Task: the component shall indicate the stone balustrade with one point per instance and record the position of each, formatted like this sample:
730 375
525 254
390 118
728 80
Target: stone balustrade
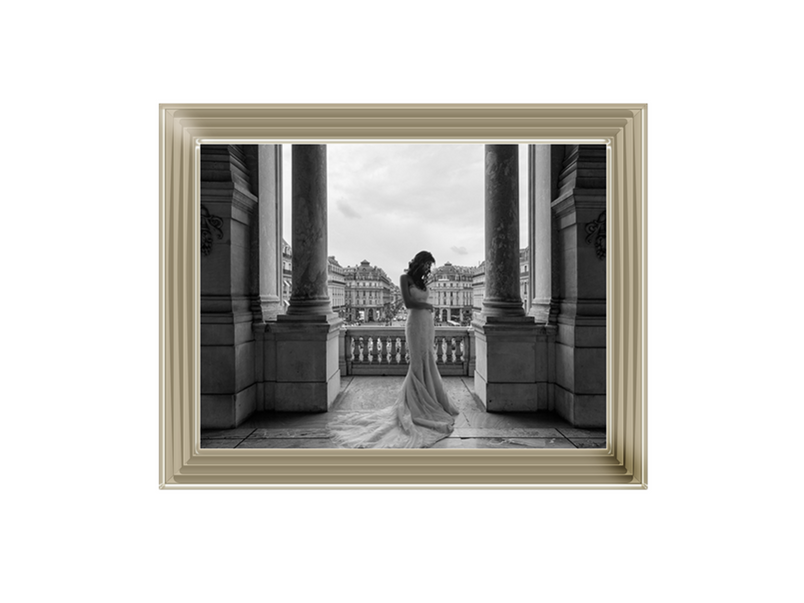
371 350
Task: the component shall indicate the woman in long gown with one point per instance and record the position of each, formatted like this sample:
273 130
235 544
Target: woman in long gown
422 413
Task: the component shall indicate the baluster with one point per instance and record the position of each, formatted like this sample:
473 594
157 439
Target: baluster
394 359
384 350
459 350
406 351
438 342
360 349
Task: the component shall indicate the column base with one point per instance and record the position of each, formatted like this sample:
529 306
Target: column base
268 308
227 379
502 309
307 361
513 362
326 317
227 411
540 311
580 392
581 410
310 307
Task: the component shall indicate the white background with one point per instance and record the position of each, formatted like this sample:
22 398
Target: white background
84 519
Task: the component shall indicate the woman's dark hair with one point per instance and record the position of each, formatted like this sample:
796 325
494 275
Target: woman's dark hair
419 268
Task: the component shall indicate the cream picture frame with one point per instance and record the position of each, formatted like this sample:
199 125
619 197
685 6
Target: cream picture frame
183 128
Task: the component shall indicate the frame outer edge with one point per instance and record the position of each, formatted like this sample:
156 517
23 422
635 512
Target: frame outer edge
178 332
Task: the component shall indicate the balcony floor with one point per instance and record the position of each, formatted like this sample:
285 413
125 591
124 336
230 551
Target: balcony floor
474 427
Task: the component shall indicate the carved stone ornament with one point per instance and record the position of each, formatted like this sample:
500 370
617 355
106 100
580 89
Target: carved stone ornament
209 223
597 230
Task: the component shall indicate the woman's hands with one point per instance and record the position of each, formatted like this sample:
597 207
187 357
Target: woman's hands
404 284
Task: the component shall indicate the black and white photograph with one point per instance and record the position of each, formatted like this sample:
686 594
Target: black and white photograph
398 295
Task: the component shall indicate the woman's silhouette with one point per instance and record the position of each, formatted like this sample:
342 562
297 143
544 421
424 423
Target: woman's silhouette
422 413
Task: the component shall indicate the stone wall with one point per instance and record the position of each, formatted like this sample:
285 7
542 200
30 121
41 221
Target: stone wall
579 213
228 207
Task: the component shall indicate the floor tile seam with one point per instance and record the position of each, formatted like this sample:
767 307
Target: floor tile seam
238 439
457 437
342 395
475 399
579 429
225 437
295 438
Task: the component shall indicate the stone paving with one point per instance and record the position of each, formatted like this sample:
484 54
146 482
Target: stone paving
474 427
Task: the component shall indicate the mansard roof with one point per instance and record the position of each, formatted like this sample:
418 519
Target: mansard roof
449 270
366 271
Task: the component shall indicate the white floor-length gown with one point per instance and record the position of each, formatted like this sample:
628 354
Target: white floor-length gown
422 413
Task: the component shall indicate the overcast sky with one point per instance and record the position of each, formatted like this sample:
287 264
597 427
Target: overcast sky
386 202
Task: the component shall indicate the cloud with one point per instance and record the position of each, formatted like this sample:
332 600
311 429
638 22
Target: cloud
389 201
347 210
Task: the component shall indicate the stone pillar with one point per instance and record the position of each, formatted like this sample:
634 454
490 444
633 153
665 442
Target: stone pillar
580 215
229 388
307 356
310 294
266 273
511 368
502 297
540 227
267 239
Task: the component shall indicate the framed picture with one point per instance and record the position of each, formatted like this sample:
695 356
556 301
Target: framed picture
310 339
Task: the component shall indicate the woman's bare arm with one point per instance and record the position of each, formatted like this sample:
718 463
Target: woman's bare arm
410 303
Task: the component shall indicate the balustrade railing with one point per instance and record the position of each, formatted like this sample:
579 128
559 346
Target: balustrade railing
370 350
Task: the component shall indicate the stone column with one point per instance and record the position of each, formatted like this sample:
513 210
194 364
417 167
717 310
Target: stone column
307 368
266 259
511 350
502 297
540 227
267 240
310 295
